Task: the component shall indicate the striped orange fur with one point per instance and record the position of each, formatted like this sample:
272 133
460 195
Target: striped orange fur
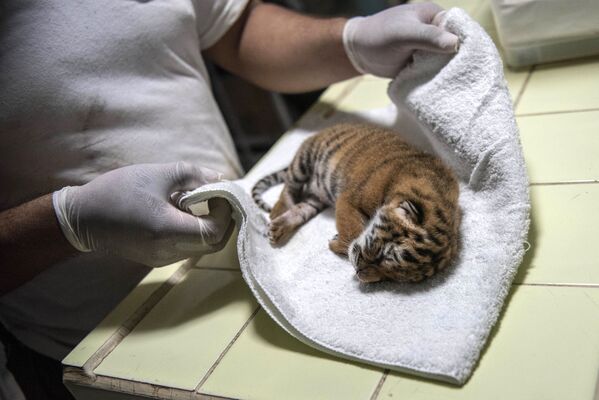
396 207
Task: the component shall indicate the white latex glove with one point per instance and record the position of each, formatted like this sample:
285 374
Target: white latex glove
382 44
127 212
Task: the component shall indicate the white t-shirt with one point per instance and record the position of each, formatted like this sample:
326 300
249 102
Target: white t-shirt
90 86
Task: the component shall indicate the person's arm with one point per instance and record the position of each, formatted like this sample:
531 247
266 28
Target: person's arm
285 51
282 50
30 241
126 212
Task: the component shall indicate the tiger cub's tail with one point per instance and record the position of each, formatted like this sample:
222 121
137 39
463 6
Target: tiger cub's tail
264 184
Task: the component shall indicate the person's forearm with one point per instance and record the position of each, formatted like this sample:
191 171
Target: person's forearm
30 241
284 51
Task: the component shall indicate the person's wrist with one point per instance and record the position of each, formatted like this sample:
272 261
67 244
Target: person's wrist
67 219
336 52
348 39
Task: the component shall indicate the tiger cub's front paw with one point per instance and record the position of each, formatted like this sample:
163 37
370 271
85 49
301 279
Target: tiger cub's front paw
279 230
337 246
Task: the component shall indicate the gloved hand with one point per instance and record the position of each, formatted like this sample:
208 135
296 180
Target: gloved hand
127 212
383 43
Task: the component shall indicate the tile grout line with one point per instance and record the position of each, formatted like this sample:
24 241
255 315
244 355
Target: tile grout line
571 285
226 349
133 320
130 387
581 182
581 110
379 385
521 91
216 269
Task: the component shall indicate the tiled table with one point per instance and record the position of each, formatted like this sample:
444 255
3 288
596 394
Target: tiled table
206 336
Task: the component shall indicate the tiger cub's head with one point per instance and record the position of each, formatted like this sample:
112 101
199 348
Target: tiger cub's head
405 241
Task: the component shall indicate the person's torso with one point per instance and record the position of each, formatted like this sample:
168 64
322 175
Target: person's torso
87 87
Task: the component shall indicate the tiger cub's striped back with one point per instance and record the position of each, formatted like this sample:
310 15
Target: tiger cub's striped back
397 211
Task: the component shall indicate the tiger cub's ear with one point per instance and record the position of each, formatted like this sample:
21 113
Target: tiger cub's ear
411 210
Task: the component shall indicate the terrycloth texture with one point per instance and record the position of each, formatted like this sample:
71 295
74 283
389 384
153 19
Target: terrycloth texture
459 108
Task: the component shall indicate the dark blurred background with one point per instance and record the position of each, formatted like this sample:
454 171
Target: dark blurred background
257 118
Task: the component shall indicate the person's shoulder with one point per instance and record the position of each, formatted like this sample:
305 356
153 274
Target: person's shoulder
215 18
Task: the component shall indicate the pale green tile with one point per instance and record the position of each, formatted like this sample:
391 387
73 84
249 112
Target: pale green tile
337 90
483 14
546 347
515 80
267 363
329 99
469 6
563 235
561 147
369 93
370 77
564 86
92 342
183 335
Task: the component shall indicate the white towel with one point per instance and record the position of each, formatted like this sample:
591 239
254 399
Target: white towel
459 107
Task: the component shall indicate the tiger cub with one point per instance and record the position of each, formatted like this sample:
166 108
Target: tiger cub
396 207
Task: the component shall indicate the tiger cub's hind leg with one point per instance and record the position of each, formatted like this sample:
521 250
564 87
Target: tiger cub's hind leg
298 175
285 202
281 227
